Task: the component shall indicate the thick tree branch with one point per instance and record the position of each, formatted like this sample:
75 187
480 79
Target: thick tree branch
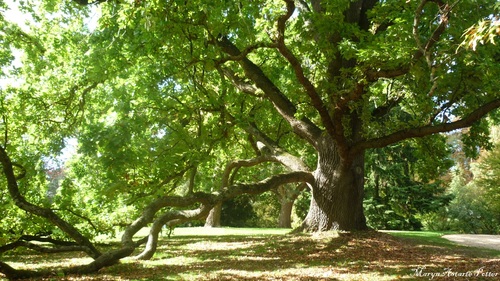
104 260
12 273
211 199
373 75
59 246
239 83
47 240
244 163
244 53
304 127
298 69
279 154
171 219
339 112
265 185
274 154
48 214
467 121
150 211
179 216
36 247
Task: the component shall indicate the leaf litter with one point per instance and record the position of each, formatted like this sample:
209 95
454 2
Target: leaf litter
366 255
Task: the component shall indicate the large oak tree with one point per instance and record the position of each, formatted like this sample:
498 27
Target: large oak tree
338 72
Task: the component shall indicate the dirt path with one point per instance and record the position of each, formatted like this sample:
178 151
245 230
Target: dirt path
476 240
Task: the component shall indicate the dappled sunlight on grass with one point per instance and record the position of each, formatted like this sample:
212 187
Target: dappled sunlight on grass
42 261
217 246
250 258
175 261
230 231
326 256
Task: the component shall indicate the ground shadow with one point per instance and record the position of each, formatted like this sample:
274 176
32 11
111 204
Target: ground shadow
350 256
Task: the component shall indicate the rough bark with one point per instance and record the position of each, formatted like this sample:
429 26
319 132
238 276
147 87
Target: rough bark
337 196
104 260
339 189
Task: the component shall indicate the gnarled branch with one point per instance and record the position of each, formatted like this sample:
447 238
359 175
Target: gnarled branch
303 127
299 71
467 121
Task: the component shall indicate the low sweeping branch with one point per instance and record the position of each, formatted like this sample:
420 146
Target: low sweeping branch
48 214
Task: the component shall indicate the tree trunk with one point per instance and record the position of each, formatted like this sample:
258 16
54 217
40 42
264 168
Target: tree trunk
287 195
213 218
285 219
337 196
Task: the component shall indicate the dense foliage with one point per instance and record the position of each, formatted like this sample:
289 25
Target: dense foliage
403 183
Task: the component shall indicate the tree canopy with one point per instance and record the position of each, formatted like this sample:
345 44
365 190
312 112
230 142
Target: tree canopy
179 105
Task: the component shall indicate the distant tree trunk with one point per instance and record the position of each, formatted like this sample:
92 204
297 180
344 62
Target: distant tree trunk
213 219
285 219
287 196
337 196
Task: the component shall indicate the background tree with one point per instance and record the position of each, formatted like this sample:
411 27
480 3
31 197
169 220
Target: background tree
488 174
404 182
474 188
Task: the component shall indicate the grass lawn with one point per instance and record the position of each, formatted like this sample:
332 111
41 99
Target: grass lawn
424 237
273 254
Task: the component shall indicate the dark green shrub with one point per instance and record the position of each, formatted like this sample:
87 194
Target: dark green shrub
237 212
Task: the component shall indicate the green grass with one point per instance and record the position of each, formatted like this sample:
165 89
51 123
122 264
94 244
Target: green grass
202 231
228 231
424 237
